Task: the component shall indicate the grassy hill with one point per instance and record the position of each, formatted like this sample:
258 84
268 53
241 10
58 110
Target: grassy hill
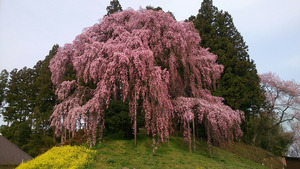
120 153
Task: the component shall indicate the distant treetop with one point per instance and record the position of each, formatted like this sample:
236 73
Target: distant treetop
114 6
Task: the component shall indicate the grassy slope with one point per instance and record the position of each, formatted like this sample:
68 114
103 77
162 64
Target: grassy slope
255 154
120 153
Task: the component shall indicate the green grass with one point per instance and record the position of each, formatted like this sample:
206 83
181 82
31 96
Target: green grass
115 152
120 153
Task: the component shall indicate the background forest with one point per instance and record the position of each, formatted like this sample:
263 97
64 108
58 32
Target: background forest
270 105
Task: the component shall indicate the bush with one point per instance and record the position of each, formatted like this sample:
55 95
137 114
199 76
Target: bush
263 133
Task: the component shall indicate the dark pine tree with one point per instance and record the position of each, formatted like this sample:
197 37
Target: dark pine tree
114 6
20 96
159 9
41 137
29 100
45 99
239 83
3 87
19 106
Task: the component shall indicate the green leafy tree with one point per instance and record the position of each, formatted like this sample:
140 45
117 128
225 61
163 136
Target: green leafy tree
269 136
239 83
114 6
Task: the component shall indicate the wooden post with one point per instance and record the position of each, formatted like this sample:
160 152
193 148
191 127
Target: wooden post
84 126
135 124
69 134
194 135
115 94
189 136
61 137
65 137
101 132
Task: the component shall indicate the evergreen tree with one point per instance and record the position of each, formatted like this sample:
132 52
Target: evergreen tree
239 83
29 103
114 6
3 86
19 106
20 96
41 134
118 119
45 100
159 9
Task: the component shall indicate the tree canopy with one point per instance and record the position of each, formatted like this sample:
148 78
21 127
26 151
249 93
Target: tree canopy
148 57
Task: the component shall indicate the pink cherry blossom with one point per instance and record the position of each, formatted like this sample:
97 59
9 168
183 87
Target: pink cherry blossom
148 56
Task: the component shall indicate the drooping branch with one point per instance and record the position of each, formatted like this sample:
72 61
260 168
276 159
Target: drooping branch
221 122
147 56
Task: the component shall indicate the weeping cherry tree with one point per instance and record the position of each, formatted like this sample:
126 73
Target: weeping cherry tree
147 56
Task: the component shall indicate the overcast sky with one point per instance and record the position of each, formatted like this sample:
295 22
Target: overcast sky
29 29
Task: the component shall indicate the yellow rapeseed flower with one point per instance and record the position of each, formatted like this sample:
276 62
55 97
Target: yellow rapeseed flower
61 157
